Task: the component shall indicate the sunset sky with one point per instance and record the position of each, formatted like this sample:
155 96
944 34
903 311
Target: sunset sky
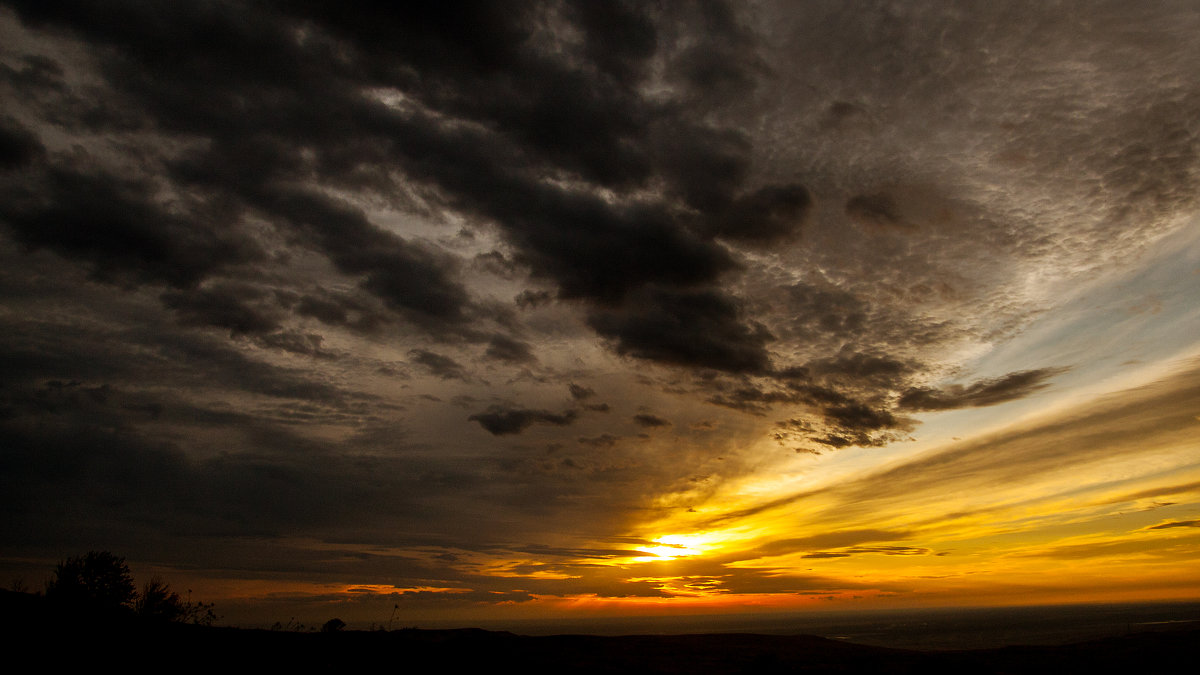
493 311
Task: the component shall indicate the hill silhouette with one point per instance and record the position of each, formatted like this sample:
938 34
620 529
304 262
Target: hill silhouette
83 639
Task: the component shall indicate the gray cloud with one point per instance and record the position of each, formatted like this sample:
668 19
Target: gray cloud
695 328
438 364
510 350
18 145
981 393
499 420
224 227
650 421
580 392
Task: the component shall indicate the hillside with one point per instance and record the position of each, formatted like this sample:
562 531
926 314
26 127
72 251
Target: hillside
74 639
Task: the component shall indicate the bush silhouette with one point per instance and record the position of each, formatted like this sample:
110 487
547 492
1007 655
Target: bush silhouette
158 601
333 626
100 582
95 581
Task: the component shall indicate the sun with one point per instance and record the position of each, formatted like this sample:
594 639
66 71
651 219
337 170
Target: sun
673 546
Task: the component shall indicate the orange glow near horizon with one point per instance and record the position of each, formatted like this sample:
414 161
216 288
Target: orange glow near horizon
1085 521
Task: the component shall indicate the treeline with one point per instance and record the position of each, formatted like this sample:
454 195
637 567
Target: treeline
99 582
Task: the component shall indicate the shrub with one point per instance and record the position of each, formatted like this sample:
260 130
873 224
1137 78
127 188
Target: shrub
97 581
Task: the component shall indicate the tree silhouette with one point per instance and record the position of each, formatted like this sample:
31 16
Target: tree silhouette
158 601
99 582
96 581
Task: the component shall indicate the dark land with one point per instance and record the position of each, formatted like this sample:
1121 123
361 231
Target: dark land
79 638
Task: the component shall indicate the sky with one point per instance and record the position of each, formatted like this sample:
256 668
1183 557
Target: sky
479 311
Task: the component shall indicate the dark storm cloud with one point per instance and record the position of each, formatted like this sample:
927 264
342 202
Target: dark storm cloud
496 263
238 309
754 400
701 328
764 216
509 350
826 311
411 279
861 372
307 344
580 392
439 364
618 37
601 441
859 397
874 209
18 145
303 113
721 60
71 475
35 351
245 159
500 420
117 227
341 310
531 299
204 360
858 416
982 393
650 421
844 419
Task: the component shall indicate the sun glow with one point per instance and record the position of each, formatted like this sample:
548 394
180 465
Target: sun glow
672 546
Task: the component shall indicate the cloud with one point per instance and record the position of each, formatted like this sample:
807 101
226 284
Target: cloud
439 365
1157 492
340 310
1175 523
601 441
18 145
306 344
874 209
475 135
764 216
580 392
982 393
694 328
890 550
224 227
650 421
500 420
238 309
844 539
858 369
117 227
1131 421
509 350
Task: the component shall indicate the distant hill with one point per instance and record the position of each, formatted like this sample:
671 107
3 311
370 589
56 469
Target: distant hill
58 638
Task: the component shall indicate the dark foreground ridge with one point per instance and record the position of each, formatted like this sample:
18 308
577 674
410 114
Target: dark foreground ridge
75 639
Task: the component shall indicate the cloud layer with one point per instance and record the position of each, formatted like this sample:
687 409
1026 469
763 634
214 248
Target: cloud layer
449 282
